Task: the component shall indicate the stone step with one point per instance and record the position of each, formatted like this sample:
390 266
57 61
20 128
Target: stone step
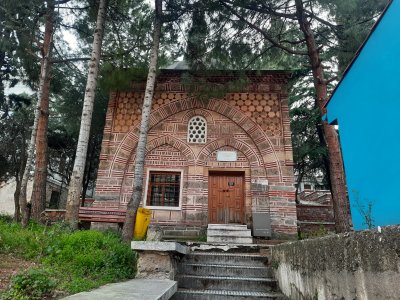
227 226
234 259
230 239
256 284
224 270
229 232
192 294
229 248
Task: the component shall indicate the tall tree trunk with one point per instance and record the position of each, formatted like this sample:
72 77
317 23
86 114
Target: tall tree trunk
299 179
326 161
17 213
75 185
18 178
338 183
38 199
88 171
133 204
43 82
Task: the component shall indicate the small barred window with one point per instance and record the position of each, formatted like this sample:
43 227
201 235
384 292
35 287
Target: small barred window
164 188
197 130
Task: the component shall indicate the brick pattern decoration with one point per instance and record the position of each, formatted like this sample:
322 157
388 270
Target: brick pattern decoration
315 214
253 122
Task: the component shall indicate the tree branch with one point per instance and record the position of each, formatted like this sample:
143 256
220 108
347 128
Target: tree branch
261 31
80 8
328 81
264 9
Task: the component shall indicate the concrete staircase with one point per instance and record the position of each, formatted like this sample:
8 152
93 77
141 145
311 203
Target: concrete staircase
229 234
220 276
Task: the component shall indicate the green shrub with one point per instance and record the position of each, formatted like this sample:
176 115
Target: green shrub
25 242
6 218
93 255
31 284
77 261
322 231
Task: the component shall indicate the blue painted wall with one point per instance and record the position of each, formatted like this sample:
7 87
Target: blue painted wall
366 105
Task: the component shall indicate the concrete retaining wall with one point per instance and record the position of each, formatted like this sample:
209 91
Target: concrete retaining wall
358 265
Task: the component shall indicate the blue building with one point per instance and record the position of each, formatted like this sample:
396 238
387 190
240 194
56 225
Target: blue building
366 107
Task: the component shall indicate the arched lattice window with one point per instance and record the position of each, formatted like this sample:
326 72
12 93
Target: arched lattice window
197 130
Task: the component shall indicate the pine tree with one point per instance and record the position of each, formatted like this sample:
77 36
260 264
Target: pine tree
41 116
38 199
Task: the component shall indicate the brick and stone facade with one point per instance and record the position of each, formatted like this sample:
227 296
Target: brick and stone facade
253 122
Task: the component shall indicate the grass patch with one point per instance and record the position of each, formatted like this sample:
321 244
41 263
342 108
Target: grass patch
69 261
30 284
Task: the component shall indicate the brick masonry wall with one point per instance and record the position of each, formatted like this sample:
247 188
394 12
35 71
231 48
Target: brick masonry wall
312 217
316 213
255 123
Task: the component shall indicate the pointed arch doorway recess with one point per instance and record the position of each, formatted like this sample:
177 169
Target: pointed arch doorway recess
226 197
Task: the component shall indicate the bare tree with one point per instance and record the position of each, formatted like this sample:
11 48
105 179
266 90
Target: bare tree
75 185
134 201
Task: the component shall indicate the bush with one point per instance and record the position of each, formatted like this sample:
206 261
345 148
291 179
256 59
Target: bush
77 261
93 255
24 242
31 284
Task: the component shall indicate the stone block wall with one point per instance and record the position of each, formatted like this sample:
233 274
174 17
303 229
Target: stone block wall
253 122
356 265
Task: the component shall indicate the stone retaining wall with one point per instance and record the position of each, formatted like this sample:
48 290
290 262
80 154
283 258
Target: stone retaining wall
357 265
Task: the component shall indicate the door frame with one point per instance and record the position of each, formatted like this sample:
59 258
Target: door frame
228 172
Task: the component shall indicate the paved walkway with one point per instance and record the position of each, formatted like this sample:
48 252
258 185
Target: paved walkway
143 289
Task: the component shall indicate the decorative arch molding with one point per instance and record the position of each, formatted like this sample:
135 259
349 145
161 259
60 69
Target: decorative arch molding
164 140
254 159
173 142
259 137
198 112
155 143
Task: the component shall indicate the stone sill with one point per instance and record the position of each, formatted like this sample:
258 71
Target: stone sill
159 246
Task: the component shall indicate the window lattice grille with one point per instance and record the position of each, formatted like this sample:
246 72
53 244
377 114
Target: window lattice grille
197 130
164 189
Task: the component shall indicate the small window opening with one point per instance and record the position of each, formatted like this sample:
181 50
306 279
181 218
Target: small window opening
164 189
197 130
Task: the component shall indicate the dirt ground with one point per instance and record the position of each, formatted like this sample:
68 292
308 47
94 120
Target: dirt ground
10 265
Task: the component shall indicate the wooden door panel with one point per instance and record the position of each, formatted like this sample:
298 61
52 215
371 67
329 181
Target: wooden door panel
226 198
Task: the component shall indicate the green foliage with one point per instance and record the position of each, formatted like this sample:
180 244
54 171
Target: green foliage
201 88
26 242
322 231
75 261
30 284
354 20
310 153
275 264
14 129
120 79
89 255
196 46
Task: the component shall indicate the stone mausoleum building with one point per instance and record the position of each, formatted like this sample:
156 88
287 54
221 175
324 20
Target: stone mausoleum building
210 159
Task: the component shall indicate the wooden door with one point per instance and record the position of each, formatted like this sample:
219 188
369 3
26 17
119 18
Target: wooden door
226 198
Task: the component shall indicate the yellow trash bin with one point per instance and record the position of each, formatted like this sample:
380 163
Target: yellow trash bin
143 217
